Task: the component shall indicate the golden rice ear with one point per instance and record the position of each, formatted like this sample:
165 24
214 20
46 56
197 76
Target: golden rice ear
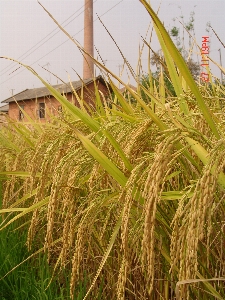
151 194
197 218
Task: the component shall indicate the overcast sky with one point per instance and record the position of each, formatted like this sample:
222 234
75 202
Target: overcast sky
29 35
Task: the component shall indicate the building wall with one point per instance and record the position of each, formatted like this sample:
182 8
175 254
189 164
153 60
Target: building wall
52 106
2 118
31 108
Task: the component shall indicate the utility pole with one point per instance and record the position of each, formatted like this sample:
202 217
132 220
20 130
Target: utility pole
221 73
88 65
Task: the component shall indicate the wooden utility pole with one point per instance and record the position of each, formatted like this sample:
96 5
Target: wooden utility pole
88 65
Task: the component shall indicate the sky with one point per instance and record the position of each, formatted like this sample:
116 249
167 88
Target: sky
29 35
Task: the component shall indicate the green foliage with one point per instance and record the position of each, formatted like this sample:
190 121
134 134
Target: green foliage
169 88
174 32
29 280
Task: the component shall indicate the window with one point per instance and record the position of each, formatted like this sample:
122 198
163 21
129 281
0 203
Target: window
41 110
21 115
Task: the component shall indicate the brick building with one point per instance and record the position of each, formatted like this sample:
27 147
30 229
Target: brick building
3 113
38 103
4 109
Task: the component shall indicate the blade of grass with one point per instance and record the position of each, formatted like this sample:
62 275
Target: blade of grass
25 211
19 173
205 281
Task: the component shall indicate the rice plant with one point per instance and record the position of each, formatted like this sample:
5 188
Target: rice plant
128 198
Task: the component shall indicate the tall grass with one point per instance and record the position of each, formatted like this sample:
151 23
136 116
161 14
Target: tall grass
128 198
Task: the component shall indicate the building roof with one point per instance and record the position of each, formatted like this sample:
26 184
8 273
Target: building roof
124 89
44 92
4 108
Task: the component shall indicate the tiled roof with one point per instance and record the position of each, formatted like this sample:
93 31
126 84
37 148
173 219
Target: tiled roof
124 89
43 91
4 108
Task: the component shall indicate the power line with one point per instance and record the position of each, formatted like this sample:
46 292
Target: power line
61 43
43 39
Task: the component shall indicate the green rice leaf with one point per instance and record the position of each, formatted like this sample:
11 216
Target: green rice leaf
175 195
205 282
18 173
25 211
125 105
102 159
182 66
99 106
